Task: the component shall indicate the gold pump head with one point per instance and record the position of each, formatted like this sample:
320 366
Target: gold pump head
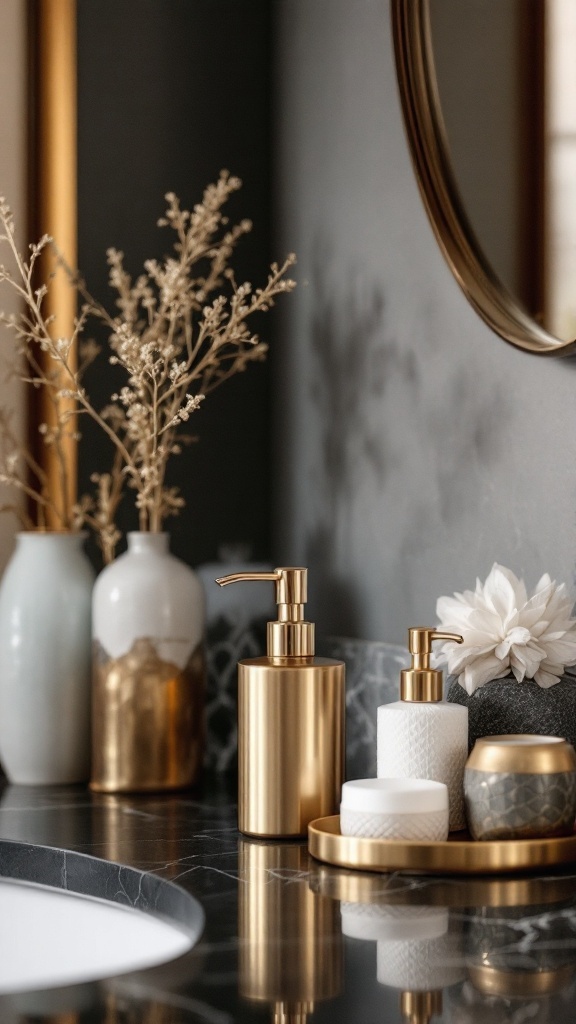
289 636
419 1007
420 683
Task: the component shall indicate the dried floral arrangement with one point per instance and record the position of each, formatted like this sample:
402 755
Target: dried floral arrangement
507 632
18 467
181 330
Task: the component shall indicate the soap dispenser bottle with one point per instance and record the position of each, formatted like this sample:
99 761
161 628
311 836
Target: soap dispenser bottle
422 736
291 716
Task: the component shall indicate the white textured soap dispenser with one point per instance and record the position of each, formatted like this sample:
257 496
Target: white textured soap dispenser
422 736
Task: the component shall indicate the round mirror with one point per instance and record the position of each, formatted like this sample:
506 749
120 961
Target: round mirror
488 90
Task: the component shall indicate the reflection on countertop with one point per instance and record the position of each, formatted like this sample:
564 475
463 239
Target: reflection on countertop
288 939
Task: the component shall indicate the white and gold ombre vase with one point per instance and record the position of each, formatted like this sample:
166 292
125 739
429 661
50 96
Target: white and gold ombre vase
45 599
148 625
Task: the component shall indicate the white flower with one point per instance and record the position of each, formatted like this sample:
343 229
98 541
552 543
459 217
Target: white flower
506 632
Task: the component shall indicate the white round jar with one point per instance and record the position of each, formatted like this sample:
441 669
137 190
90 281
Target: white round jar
391 922
395 809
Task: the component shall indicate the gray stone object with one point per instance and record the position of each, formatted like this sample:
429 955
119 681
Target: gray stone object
505 706
514 805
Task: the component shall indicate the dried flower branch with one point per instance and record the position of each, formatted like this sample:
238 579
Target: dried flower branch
12 456
100 513
32 331
175 340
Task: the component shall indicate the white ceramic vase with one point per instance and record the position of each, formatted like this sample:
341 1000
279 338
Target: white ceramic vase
45 598
148 620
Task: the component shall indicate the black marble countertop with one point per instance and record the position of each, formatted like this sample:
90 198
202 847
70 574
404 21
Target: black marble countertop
286 939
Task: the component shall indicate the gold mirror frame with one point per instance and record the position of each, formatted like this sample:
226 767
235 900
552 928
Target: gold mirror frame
429 151
53 198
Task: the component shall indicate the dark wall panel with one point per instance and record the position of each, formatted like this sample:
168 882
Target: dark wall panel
170 92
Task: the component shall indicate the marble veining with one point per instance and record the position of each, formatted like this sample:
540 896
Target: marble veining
372 678
273 938
89 876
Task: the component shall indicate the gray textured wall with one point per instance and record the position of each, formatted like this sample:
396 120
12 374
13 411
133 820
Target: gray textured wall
415 447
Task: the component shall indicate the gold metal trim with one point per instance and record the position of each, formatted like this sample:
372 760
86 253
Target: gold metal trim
289 636
54 187
350 886
532 757
526 984
420 1007
427 142
420 683
458 855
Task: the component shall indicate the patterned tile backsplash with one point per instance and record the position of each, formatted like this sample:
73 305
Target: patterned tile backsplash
372 678
228 640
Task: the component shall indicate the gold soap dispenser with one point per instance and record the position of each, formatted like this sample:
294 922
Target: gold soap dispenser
290 952
291 713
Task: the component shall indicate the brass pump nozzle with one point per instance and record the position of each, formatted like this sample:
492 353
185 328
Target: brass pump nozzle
420 1007
289 636
421 683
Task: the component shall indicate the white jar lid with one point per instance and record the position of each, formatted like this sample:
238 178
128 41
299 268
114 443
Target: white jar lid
394 796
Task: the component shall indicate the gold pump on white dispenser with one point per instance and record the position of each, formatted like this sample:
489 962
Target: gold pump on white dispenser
420 682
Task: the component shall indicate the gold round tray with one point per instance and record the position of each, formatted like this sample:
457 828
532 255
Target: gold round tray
496 890
459 855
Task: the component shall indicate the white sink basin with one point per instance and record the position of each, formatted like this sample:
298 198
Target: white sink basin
50 937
